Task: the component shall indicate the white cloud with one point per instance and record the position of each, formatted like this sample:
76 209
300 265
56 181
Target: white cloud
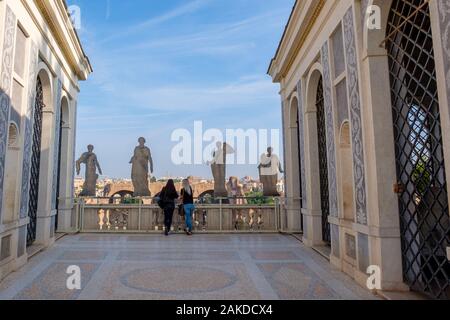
184 9
258 91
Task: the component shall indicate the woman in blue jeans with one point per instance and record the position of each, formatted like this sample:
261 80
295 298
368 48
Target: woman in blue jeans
188 204
168 195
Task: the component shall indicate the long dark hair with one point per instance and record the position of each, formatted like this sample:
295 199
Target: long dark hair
170 187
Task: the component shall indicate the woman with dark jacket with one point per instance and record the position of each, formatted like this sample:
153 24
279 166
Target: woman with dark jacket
187 197
168 195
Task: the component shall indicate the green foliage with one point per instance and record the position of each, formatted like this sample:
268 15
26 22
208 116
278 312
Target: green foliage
421 176
130 201
257 198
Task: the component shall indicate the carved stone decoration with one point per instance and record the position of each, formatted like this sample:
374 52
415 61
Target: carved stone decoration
89 158
444 17
5 90
118 219
355 119
329 118
56 145
218 168
268 168
301 124
28 136
140 169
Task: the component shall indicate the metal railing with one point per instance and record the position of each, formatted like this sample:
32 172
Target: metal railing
143 215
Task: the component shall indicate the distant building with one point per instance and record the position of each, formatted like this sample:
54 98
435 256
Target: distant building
365 89
41 63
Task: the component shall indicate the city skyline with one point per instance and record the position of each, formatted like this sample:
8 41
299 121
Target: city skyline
170 64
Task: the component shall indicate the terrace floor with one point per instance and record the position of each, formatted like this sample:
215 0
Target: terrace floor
226 267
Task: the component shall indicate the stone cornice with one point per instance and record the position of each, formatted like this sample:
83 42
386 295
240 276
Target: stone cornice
56 16
293 39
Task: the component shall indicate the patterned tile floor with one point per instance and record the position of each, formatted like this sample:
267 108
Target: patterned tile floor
228 267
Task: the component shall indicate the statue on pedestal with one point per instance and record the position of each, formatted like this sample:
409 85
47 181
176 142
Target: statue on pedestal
140 169
268 173
90 160
218 168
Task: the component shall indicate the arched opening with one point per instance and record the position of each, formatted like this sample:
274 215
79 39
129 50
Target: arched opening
40 184
62 188
323 162
422 186
346 160
294 127
295 144
35 162
11 174
121 197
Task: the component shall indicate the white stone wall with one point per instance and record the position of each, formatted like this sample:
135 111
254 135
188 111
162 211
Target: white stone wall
372 236
43 57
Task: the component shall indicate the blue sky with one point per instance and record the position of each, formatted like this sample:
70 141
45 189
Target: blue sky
161 65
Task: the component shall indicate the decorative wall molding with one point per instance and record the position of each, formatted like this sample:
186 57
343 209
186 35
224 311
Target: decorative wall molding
56 145
7 58
329 118
58 21
315 9
301 124
28 135
355 118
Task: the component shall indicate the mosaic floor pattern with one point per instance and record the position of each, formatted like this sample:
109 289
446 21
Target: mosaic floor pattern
228 267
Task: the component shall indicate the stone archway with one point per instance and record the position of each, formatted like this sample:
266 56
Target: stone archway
40 190
313 220
294 177
11 173
63 188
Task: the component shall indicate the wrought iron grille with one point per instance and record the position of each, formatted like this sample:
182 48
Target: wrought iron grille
423 198
35 163
323 163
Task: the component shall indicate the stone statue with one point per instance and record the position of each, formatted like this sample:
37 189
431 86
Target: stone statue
268 173
90 160
218 168
140 170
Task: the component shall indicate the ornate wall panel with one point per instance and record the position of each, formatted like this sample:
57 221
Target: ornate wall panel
7 57
28 135
331 148
355 117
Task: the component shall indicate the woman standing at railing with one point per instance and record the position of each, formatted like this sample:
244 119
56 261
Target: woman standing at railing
168 196
188 204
